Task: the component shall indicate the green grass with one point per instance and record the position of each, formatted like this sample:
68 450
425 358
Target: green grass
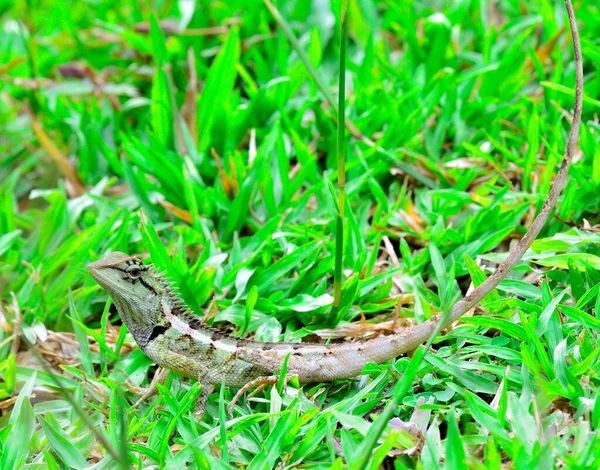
195 136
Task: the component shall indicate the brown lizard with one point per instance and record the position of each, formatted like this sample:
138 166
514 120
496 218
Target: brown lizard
175 339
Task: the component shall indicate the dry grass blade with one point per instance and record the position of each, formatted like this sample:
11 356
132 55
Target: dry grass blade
189 112
75 186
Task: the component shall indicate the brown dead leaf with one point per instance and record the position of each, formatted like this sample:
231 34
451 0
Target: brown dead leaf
211 31
8 403
75 186
463 163
14 62
175 448
481 200
225 181
73 70
234 179
166 26
590 228
365 330
413 220
177 211
545 51
31 83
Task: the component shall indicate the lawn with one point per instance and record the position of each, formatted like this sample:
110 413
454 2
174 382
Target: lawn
203 137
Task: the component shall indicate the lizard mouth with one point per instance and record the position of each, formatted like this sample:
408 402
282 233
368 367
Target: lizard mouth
99 276
103 277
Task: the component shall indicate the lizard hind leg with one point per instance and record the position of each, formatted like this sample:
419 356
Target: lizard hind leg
260 384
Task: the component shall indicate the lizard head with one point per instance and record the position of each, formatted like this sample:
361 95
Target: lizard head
136 290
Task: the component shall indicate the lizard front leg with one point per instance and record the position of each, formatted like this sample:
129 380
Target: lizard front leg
207 389
146 392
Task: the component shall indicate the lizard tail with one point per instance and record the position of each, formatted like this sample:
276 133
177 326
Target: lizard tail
316 363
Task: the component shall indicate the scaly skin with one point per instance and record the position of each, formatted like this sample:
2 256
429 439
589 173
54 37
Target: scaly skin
174 338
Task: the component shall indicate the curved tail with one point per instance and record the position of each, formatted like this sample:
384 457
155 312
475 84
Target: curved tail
317 363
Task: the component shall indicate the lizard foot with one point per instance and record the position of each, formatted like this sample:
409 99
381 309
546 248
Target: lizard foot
259 384
146 392
203 400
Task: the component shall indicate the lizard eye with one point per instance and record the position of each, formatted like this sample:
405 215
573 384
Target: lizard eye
134 272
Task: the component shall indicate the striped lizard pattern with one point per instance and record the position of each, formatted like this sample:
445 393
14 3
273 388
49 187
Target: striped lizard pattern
172 336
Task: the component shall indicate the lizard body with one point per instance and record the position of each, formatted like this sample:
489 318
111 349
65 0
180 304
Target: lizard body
174 338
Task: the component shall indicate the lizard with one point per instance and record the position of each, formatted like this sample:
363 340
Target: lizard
171 335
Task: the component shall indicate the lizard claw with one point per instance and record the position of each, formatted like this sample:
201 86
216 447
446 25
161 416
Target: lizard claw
146 392
260 383
203 400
